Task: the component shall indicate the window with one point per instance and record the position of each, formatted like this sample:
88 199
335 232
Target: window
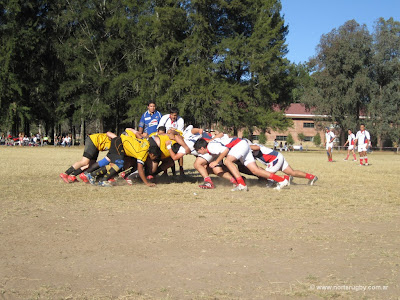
281 137
308 138
308 125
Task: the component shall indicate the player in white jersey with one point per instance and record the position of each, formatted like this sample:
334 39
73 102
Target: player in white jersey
191 135
351 142
232 150
363 139
175 122
275 161
329 138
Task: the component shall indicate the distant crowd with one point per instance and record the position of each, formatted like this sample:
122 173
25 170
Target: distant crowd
34 140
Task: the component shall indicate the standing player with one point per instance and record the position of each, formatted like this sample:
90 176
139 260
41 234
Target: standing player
363 138
329 138
149 121
350 140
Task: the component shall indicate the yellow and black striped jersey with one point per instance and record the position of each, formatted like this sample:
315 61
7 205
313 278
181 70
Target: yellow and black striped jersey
134 147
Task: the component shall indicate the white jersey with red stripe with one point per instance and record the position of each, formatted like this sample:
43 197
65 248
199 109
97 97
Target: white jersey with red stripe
191 138
363 137
237 148
351 137
330 137
265 155
272 159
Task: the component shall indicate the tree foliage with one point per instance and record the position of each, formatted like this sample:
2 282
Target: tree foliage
91 62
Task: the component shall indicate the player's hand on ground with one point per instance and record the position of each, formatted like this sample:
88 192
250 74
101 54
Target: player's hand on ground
151 184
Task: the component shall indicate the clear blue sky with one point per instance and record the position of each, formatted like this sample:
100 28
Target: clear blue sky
308 20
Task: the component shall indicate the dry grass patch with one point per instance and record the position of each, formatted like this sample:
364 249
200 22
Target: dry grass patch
177 241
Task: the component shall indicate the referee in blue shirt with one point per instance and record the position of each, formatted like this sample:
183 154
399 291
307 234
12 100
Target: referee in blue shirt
149 120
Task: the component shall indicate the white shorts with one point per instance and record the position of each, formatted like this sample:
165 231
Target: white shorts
329 145
362 148
351 147
279 164
241 151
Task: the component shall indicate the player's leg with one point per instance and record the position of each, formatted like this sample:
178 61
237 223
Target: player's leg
201 164
257 171
223 172
297 173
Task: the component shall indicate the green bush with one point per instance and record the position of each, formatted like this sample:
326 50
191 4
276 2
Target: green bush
317 140
262 139
301 136
290 139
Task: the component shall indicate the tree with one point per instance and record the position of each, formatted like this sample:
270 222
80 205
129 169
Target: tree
341 79
384 109
301 136
317 139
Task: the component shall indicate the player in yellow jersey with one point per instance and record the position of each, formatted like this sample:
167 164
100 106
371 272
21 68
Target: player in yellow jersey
124 145
94 143
164 141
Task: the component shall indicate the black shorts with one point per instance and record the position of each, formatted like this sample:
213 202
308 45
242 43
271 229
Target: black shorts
91 152
117 151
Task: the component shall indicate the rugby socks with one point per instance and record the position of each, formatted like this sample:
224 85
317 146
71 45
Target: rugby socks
77 172
208 179
70 170
286 177
93 167
355 157
240 180
233 180
361 160
310 176
347 157
276 178
366 159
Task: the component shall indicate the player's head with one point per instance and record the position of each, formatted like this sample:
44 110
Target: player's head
175 148
154 152
201 146
173 114
362 127
151 106
326 129
161 129
349 131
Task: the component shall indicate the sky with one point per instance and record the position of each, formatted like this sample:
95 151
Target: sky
308 20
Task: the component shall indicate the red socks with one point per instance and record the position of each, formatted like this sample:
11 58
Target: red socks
240 180
276 178
310 176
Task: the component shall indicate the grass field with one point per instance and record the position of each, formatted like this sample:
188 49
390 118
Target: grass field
176 241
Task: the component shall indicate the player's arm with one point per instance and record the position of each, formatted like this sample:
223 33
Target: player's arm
217 136
255 148
111 135
174 156
143 175
346 143
220 158
141 124
135 132
197 131
180 141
